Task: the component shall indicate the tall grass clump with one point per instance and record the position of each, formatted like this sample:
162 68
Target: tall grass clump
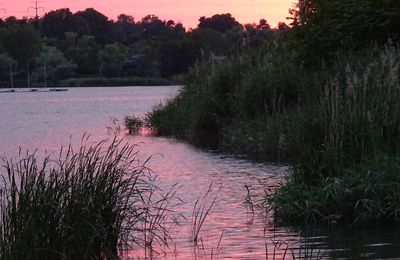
358 110
201 109
133 123
366 193
218 93
349 172
87 204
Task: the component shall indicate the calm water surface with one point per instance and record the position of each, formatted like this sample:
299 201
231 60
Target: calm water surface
46 121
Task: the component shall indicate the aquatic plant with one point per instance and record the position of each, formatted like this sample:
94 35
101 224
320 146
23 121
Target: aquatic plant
201 210
87 204
133 123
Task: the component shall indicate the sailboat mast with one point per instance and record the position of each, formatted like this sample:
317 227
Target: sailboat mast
45 76
11 76
27 70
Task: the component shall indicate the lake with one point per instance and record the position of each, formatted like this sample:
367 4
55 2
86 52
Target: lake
235 228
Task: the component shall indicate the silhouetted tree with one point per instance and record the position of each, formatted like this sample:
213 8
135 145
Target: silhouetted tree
220 22
176 57
211 41
325 26
98 24
56 23
21 41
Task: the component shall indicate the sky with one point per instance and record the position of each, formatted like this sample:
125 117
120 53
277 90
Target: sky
186 11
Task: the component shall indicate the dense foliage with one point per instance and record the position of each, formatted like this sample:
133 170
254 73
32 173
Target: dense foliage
324 94
325 27
87 44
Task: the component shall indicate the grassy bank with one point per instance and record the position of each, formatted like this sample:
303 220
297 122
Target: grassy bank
93 203
337 122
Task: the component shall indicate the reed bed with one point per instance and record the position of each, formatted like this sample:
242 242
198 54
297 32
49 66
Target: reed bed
337 122
89 203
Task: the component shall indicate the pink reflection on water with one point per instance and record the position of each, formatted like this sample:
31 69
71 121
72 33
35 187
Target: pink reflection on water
194 169
48 121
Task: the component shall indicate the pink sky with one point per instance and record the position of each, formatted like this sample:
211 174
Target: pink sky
185 11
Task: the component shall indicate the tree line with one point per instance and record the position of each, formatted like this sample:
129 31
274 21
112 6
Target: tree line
323 29
87 43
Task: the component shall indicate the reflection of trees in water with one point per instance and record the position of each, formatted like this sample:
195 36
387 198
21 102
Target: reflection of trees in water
331 243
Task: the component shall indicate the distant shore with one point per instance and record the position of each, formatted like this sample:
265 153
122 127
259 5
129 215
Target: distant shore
97 82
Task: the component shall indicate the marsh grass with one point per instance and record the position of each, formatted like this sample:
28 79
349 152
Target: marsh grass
240 104
302 248
331 122
201 210
159 220
133 123
89 203
359 113
368 192
348 172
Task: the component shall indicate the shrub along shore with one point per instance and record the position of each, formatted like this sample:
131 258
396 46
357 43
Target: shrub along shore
337 122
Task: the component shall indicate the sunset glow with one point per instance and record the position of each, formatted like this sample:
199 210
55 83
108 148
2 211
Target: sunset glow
185 11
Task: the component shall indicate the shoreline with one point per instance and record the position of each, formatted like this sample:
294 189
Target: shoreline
95 82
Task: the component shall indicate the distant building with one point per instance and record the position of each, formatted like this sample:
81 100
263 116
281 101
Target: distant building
135 60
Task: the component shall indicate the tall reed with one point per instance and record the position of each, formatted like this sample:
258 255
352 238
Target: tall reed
358 113
87 204
349 170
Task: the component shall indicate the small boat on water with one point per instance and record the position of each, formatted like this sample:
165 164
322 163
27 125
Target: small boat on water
58 89
24 90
